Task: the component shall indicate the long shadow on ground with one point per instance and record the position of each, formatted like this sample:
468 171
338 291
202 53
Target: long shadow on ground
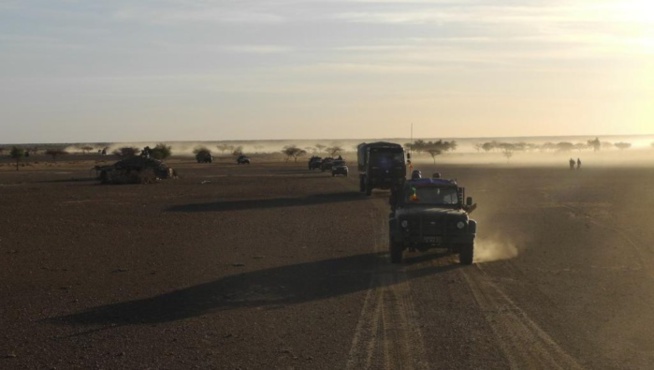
233 205
270 288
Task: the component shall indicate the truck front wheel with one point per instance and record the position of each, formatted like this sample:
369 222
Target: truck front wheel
466 252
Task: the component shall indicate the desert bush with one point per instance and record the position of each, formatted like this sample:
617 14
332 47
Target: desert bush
622 145
54 153
292 151
125 152
161 151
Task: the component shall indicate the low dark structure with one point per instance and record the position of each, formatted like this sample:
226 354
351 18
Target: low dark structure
135 170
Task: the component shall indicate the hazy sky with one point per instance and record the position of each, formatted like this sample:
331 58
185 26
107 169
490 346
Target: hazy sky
88 71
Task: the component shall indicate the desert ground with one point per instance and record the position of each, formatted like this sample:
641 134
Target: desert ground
274 266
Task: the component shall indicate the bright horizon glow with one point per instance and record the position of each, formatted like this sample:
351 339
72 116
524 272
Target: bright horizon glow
140 70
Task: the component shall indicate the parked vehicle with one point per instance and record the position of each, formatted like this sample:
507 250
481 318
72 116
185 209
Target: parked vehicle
315 162
242 159
339 168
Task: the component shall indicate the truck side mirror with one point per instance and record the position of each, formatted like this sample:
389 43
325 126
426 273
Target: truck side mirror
468 201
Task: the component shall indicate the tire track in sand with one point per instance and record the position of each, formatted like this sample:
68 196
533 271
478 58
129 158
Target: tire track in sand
523 342
387 335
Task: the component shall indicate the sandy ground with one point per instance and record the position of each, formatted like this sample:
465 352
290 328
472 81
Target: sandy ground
274 266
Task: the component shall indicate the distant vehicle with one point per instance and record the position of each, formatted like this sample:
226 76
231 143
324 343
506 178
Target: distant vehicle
315 162
204 156
381 165
135 170
326 164
431 213
339 168
242 160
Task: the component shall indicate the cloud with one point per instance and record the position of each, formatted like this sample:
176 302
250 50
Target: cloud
177 14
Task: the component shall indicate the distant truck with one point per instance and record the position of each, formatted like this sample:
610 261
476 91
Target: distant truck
381 165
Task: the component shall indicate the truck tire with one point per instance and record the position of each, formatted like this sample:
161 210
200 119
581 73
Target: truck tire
466 253
396 252
362 184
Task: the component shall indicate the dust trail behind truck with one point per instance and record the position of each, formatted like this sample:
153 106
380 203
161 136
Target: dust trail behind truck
382 165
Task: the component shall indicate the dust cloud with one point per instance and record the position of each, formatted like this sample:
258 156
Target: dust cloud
494 248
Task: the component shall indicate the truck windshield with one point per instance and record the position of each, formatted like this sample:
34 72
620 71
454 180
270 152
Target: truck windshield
432 195
386 159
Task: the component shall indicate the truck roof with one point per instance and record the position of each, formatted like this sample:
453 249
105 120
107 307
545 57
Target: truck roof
381 144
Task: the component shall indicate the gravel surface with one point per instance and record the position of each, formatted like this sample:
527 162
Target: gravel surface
274 266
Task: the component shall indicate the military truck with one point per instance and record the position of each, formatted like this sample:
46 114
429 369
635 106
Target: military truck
135 170
381 166
431 213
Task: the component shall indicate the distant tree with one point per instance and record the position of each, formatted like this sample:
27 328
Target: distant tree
293 151
548 146
161 151
126 152
223 147
595 144
478 147
435 148
581 146
17 154
433 152
237 150
54 153
564 146
2 150
86 149
333 150
508 153
419 146
622 145
320 147
488 146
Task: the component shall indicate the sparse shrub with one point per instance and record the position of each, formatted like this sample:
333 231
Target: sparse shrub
161 151
125 152
622 145
54 153
237 151
293 151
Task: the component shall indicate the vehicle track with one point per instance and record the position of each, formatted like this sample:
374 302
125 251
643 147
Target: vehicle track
387 335
523 342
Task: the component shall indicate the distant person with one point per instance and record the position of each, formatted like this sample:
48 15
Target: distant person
416 174
572 164
578 163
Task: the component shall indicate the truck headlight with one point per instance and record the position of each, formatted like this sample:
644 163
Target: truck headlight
405 224
460 225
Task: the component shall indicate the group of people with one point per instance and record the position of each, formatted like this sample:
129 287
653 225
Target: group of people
573 163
